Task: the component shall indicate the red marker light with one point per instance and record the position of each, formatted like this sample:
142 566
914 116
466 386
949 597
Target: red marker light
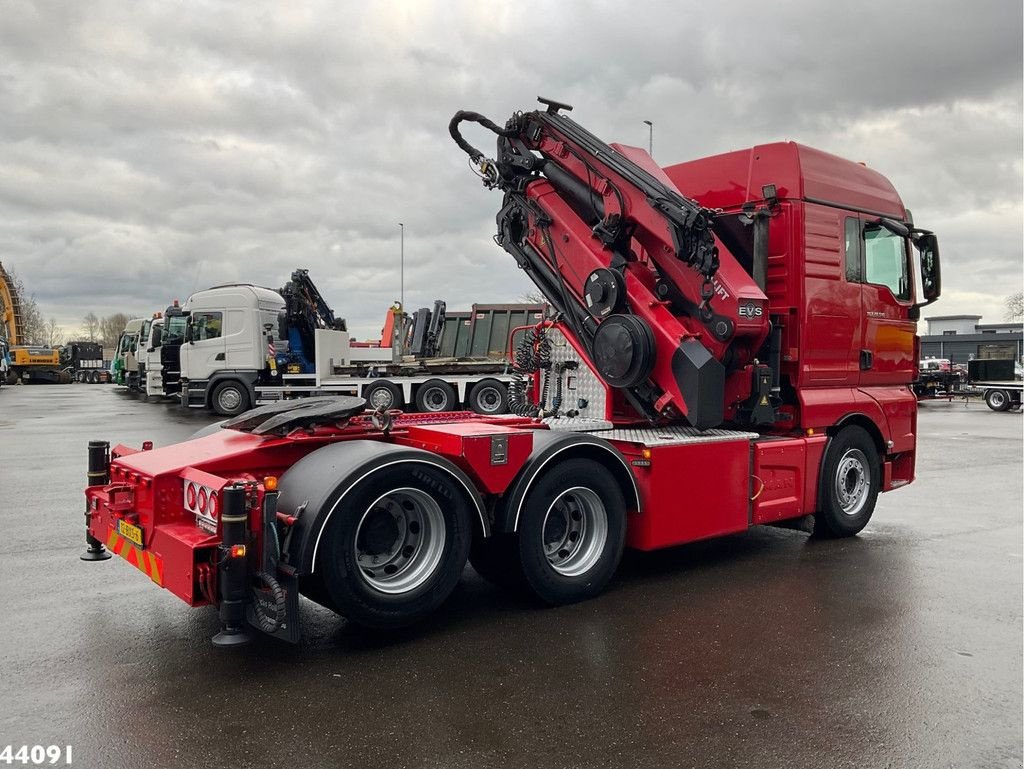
213 504
190 496
202 500
238 551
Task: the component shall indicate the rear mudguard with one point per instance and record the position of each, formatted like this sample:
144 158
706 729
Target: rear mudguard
314 487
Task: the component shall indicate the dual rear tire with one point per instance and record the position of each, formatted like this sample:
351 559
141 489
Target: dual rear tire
569 539
394 547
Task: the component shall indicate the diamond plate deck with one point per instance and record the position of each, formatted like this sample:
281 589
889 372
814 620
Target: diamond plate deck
671 436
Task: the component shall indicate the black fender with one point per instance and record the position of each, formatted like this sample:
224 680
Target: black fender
550 446
246 377
313 488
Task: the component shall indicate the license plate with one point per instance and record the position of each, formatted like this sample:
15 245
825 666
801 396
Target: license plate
130 532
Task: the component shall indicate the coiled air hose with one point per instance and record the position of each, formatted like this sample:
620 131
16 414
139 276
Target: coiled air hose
531 356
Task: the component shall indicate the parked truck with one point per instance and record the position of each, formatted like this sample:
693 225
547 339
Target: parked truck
124 367
84 362
736 341
998 381
246 345
162 361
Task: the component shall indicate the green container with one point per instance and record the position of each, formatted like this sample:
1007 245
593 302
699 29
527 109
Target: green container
492 324
455 337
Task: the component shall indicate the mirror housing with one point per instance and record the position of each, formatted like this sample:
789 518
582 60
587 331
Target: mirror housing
931 272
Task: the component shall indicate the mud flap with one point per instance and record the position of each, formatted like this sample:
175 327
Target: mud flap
289 627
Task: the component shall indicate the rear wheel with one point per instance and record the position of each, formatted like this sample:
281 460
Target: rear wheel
997 400
489 397
383 395
851 477
571 532
230 398
434 396
396 549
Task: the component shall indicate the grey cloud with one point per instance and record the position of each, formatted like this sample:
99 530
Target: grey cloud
154 148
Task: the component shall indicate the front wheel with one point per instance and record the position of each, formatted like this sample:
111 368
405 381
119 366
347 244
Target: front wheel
230 398
997 400
394 551
572 529
851 477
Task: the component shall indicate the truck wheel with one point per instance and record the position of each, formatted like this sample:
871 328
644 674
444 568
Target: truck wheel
435 395
396 549
383 395
997 400
851 477
496 559
489 397
571 532
230 398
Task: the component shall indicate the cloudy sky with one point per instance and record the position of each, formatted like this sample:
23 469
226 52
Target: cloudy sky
149 149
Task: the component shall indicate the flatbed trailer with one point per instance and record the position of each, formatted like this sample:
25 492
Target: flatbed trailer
999 396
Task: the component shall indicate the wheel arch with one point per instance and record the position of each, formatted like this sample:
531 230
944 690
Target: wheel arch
868 424
310 489
245 378
551 447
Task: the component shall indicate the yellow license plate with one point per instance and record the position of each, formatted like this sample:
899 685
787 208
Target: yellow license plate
130 532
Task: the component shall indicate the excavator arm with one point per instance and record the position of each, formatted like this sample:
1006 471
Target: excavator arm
663 310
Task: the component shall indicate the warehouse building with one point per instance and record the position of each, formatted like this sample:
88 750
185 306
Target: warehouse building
964 337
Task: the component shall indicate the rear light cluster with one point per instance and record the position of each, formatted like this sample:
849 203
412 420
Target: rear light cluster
201 500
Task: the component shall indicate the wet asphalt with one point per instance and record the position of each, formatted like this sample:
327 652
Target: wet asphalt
899 648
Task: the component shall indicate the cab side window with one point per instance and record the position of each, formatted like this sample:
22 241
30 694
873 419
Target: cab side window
885 261
853 254
206 325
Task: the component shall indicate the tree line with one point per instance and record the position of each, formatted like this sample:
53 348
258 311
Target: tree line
36 330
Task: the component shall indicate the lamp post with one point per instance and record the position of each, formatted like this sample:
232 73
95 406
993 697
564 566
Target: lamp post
401 273
650 137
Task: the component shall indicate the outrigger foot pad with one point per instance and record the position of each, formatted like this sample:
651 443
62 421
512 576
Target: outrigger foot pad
226 638
98 553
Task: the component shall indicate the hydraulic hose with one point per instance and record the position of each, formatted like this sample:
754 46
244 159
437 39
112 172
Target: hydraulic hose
473 117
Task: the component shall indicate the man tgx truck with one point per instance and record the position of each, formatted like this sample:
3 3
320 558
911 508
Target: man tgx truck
735 338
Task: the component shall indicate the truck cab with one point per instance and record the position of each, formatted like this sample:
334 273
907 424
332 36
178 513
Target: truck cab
225 345
125 364
168 352
150 368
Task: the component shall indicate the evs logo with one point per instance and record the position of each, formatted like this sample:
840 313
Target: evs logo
751 311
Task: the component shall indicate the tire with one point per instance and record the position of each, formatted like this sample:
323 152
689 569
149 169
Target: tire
94 377
851 477
435 396
383 395
230 398
377 521
556 567
997 400
496 559
489 397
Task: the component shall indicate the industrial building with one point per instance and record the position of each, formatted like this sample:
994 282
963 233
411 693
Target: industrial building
961 338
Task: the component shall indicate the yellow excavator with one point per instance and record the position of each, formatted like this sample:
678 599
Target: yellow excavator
31 364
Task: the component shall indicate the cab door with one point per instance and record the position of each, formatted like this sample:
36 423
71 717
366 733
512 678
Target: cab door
886 355
206 345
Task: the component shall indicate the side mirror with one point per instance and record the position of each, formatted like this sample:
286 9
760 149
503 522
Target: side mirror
931 272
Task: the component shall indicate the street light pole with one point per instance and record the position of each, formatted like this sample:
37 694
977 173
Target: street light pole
650 137
401 279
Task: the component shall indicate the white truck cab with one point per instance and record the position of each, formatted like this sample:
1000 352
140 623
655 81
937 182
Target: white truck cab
226 344
125 365
149 359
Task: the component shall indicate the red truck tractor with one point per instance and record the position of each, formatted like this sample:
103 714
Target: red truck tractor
733 345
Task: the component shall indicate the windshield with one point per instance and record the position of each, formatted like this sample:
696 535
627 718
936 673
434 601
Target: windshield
174 329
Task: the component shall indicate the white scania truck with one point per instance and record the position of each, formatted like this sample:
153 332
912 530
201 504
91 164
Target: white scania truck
241 348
